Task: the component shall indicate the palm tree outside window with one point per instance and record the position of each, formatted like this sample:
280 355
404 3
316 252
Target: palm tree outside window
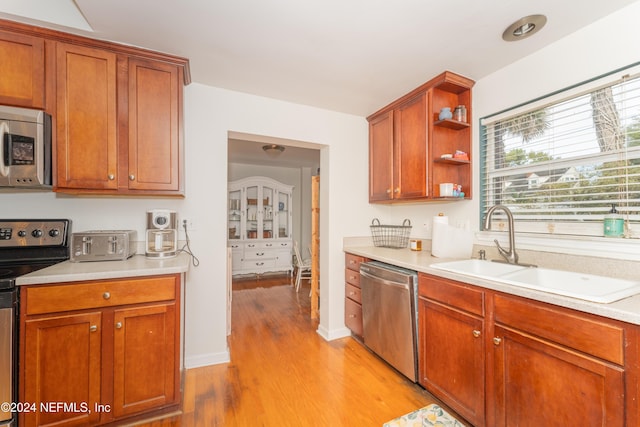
559 163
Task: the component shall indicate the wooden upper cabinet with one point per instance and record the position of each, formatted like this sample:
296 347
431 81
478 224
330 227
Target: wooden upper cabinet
381 157
22 79
407 141
86 118
410 151
119 124
155 148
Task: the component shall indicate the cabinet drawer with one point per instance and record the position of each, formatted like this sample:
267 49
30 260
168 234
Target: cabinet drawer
259 254
572 329
352 262
353 316
78 296
353 293
458 295
352 277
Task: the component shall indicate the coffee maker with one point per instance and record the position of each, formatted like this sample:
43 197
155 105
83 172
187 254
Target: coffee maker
162 234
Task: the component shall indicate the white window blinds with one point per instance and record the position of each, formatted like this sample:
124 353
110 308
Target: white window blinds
561 162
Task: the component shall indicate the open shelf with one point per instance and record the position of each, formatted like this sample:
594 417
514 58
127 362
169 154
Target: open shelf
452 161
451 124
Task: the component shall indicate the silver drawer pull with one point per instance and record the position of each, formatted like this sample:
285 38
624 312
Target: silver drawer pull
497 340
118 325
106 295
93 328
476 333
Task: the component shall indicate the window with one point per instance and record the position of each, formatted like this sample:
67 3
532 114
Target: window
560 162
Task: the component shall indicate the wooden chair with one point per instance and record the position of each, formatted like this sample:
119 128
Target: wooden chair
303 266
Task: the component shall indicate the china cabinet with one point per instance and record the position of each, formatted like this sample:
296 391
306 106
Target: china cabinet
259 225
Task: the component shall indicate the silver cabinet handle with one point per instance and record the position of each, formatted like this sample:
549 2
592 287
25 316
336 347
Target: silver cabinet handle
397 190
388 191
118 325
106 295
111 177
476 333
93 328
497 340
132 177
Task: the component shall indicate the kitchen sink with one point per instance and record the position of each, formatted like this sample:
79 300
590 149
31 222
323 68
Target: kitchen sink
478 268
588 287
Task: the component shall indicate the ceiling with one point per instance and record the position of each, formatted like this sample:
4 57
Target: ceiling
351 56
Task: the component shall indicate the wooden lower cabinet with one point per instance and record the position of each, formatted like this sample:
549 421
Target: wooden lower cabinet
451 345
538 382
144 358
501 360
353 297
62 363
111 352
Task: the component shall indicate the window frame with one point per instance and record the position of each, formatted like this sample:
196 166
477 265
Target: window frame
572 243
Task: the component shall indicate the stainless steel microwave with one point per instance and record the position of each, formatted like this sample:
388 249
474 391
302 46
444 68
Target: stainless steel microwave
25 155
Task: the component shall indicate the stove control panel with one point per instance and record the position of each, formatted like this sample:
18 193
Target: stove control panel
33 233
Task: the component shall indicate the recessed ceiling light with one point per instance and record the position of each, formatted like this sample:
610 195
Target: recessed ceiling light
524 27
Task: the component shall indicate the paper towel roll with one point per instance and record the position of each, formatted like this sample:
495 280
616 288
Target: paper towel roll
448 241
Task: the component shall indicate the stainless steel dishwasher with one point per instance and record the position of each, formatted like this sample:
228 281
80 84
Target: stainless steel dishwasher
389 315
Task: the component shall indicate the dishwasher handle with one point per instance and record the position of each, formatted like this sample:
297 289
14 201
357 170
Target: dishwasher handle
364 273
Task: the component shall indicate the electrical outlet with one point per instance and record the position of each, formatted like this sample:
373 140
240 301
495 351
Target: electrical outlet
190 224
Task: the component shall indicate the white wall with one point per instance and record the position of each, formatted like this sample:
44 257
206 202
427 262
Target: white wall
210 114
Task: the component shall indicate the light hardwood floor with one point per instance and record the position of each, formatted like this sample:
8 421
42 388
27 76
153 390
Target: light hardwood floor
282 373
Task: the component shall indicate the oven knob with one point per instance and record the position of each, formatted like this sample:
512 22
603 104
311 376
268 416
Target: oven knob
22 233
54 232
36 233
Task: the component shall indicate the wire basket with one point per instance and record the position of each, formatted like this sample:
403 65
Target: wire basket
390 236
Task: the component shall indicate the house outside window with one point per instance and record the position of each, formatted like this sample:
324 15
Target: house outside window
560 162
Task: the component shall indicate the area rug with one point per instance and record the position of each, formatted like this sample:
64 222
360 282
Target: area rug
432 415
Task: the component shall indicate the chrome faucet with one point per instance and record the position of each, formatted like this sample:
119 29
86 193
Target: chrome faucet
510 256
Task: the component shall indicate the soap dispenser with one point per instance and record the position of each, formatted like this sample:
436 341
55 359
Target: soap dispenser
613 223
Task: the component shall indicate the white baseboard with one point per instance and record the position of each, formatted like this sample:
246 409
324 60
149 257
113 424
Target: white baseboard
335 334
201 360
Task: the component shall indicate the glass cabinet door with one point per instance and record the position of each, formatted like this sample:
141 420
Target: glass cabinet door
284 215
234 212
267 212
253 212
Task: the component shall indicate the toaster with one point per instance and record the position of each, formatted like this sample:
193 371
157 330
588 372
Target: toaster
103 245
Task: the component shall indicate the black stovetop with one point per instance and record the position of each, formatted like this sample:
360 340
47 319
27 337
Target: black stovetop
31 245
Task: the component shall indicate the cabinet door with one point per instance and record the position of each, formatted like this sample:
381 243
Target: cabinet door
146 358
86 118
22 79
538 383
410 151
452 358
62 360
381 158
283 215
267 215
154 126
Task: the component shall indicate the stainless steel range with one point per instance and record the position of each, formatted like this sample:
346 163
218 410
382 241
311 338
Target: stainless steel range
25 246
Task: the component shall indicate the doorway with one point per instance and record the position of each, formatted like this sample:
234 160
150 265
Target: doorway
294 163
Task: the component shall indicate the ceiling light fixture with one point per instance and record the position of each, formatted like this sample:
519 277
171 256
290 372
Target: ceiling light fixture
524 27
273 150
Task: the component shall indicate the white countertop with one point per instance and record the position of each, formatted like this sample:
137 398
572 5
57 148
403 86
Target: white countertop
136 266
626 310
